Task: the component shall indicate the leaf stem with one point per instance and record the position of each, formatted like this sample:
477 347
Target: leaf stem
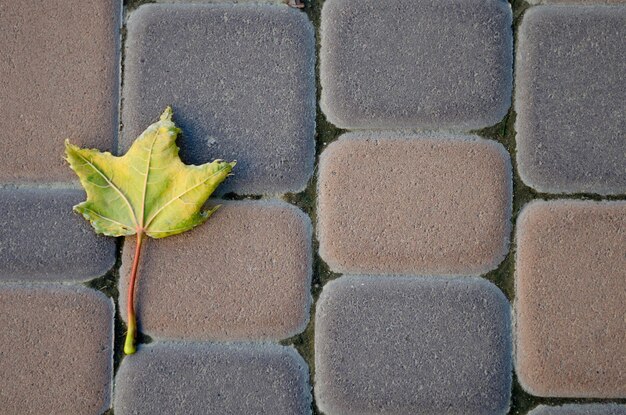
129 344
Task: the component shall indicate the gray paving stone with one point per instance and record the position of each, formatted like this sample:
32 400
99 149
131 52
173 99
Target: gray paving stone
59 78
414 204
591 409
570 299
243 275
412 345
197 378
241 82
42 239
570 94
428 65
56 350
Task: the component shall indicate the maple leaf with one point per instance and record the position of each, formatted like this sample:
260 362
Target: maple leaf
148 191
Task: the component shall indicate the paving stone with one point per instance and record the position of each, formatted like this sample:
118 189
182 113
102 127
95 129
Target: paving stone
243 275
197 378
570 299
430 65
592 409
42 239
436 204
59 78
412 345
577 2
56 350
241 82
570 99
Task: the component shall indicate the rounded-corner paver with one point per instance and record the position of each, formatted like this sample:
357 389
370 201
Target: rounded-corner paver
203 378
42 239
570 300
414 204
412 345
59 78
241 81
570 93
56 350
428 65
243 275
586 409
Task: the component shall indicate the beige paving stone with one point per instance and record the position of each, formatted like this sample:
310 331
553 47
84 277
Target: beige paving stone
436 204
243 275
571 300
573 409
56 352
59 78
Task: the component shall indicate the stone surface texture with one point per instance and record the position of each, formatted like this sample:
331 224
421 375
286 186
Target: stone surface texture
570 299
412 345
56 350
570 95
438 204
430 65
59 78
42 239
243 275
241 82
179 378
573 409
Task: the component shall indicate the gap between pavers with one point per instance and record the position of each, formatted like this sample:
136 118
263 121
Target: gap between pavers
569 99
195 378
241 82
59 78
243 275
414 204
573 409
570 299
427 64
412 345
42 239
56 350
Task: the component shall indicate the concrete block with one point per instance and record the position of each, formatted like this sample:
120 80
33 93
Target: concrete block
204 378
428 64
570 299
59 78
573 409
42 239
570 94
243 275
241 82
407 204
56 350
412 345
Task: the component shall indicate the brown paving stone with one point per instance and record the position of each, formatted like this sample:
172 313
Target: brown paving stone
437 204
203 378
573 409
42 239
59 78
244 275
570 299
55 350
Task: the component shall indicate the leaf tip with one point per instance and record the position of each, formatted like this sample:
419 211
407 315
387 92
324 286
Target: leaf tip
167 114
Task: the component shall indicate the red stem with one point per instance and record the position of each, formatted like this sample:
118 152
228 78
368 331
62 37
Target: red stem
129 345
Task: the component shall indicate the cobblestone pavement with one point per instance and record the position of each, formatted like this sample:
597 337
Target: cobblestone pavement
428 215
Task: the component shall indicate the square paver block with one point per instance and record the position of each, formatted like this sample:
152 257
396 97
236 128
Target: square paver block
428 64
56 350
241 81
204 378
414 204
243 275
42 239
412 345
570 99
591 409
59 78
570 299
